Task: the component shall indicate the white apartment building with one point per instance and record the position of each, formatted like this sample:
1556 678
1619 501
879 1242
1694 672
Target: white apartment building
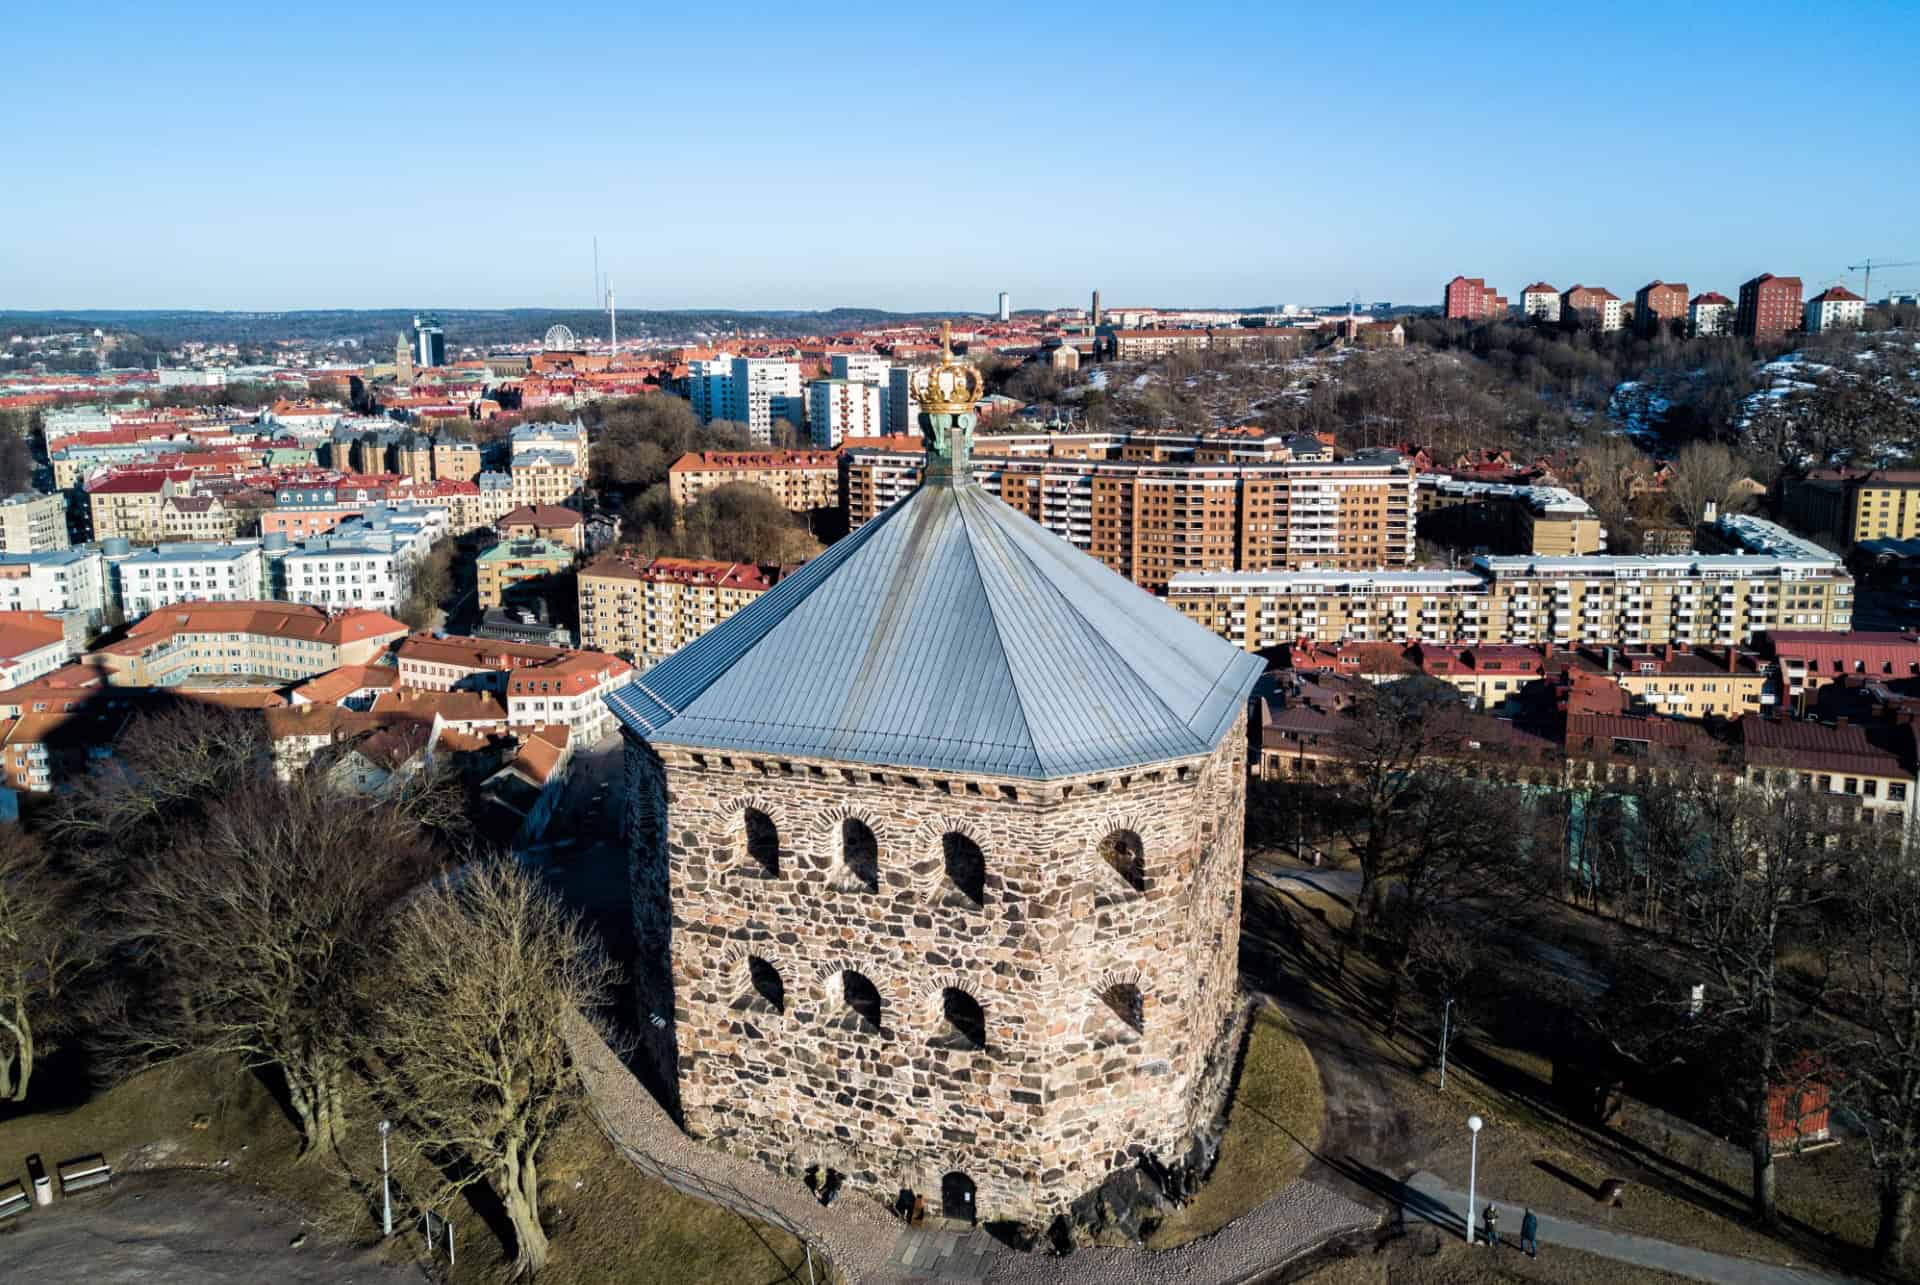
1835 308
868 368
841 408
1710 314
33 523
542 440
1613 313
63 580
762 390
365 561
1541 302
189 572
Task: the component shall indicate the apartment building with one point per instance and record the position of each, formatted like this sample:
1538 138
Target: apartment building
1701 600
189 572
1832 759
1658 306
571 691
800 480
1835 308
60 580
365 561
1769 307
1152 520
544 477
198 517
1710 314
903 408
1471 299
841 408
458 663
454 460
1600 306
515 561
650 609
128 505
282 641
546 522
759 391
1851 505
33 523
1547 520
1808 660
1541 302
33 644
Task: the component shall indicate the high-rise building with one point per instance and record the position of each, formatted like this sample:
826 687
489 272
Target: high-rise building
33 523
1006 307
1769 307
868 368
429 342
1835 308
1472 299
903 411
1657 304
1149 518
1541 302
841 408
1710 314
762 390
1094 319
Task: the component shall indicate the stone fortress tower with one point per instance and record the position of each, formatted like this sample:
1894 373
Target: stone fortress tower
937 858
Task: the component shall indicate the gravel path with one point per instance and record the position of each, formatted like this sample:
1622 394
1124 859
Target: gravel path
862 1239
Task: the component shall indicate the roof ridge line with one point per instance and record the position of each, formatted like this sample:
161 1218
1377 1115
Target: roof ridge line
973 557
1093 630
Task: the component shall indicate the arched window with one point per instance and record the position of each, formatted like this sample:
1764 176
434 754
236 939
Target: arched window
963 1023
1124 999
768 989
966 867
762 842
862 999
1123 851
859 855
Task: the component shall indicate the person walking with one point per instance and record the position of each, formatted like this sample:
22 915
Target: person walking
1492 1219
1529 1229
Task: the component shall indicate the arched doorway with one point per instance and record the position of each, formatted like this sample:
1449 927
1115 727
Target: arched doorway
956 1197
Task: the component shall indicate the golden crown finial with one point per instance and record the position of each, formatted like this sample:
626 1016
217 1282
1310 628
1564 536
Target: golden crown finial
951 388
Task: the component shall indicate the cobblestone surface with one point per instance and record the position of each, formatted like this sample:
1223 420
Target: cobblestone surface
863 1241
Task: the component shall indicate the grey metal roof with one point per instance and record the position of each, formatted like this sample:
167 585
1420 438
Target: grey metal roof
951 633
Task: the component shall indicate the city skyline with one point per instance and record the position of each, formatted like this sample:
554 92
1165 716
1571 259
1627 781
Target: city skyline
1219 158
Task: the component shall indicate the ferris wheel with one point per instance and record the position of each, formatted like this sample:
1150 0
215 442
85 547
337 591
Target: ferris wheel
559 339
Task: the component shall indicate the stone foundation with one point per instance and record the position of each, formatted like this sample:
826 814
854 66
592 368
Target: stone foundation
1106 987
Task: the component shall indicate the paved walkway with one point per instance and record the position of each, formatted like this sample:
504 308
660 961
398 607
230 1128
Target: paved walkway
871 1247
1427 1197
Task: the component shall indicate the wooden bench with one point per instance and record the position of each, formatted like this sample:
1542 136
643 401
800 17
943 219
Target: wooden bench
14 1199
83 1172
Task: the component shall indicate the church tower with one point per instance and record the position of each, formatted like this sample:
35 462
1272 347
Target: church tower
937 857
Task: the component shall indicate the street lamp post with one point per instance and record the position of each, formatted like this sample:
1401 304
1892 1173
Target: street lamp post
1446 1023
1474 1125
386 1181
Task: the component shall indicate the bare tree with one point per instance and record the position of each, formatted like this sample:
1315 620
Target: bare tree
254 933
483 975
1746 871
42 950
1390 735
1705 473
1878 985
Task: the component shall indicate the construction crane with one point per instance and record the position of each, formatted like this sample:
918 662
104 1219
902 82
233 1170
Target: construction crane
1866 285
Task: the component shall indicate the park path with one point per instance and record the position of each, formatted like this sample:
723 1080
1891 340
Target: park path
1427 1197
870 1247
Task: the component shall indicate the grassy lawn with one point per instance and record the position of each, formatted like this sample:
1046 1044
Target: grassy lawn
1273 1121
608 1222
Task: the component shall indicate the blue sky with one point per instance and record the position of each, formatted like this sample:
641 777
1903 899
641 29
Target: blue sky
192 155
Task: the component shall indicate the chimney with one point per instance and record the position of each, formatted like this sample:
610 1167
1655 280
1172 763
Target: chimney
1733 659
1609 660
1666 652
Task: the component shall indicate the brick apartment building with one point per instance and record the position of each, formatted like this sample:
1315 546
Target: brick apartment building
1769 307
1596 303
1150 520
1472 299
1851 505
649 609
1658 305
800 480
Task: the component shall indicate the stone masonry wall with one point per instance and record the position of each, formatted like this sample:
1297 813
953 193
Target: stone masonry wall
1068 1086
